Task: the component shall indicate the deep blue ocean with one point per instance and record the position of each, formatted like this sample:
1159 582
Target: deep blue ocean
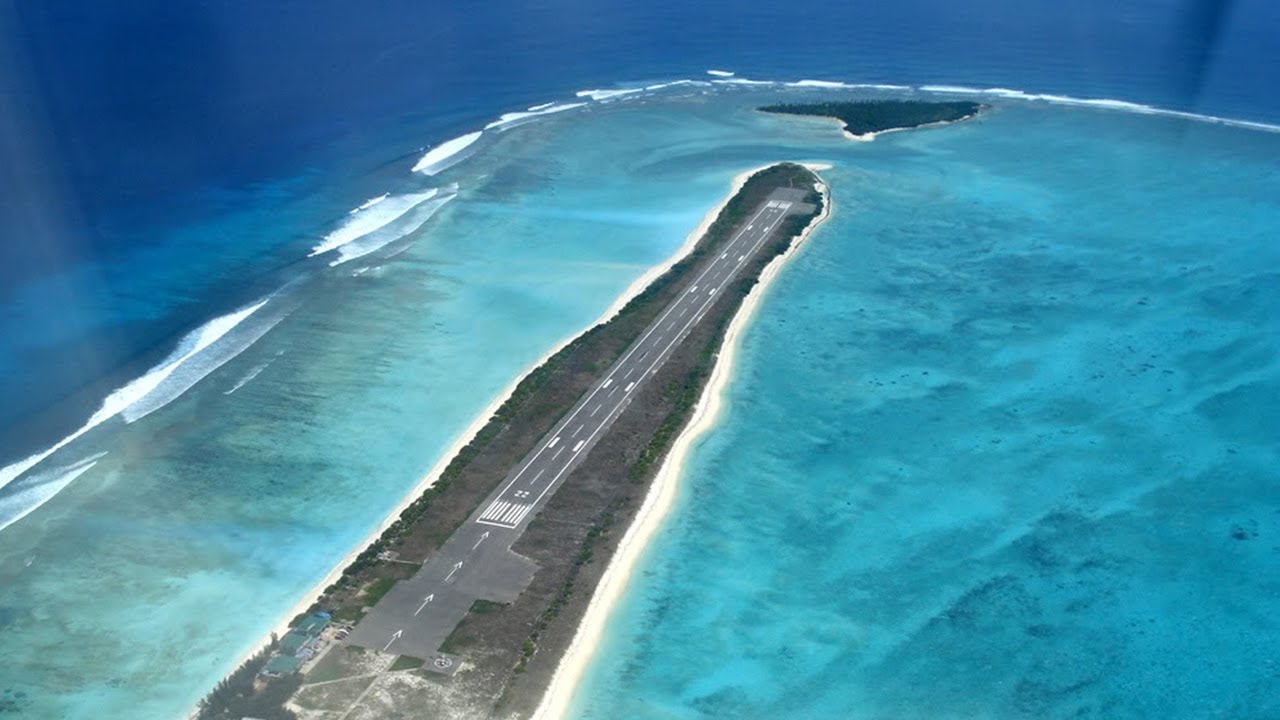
167 169
128 123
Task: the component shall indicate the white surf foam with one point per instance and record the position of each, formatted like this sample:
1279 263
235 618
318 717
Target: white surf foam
607 94
445 155
369 203
951 89
197 366
743 81
392 231
676 83
1101 103
138 391
819 84
40 488
371 220
257 370
513 118
720 73
543 106
148 392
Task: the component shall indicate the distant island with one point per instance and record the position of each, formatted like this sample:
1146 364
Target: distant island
863 119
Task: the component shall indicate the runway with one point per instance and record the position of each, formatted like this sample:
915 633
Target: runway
476 562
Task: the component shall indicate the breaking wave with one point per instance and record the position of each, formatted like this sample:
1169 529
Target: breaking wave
720 73
369 203
38 489
512 119
607 94
604 95
743 81
389 232
371 219
1102 103
446 154
249 376
198 354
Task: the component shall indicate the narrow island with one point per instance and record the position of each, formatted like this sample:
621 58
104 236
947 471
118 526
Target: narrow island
500 657
864 119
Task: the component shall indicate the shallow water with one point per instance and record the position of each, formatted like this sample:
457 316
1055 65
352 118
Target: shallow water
235 471
1025 246
1000 444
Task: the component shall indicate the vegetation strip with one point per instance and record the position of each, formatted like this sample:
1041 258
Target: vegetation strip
868 117
568 523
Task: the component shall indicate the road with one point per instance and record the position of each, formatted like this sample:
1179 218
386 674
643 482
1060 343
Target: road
476 562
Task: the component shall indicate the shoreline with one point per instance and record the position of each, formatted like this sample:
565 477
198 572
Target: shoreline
662 490
868 137
281 626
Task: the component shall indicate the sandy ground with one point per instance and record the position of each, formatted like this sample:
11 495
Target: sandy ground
661 494
868 137
635 288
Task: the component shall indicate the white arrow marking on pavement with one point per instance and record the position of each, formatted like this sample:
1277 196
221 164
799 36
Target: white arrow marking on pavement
482 537
425 600
455 569
394 637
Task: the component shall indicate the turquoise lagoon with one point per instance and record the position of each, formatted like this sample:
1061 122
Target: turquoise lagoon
1002 442
999 440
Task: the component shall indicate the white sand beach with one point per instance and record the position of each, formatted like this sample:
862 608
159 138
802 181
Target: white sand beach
662 491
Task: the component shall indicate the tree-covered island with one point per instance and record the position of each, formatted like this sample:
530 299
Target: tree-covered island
865 117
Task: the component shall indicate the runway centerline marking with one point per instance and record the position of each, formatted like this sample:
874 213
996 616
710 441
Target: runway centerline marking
652 366
585 402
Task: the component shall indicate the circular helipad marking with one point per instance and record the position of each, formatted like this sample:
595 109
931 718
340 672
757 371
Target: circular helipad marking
443 662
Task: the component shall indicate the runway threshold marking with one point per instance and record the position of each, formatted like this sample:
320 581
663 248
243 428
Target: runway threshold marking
510 517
